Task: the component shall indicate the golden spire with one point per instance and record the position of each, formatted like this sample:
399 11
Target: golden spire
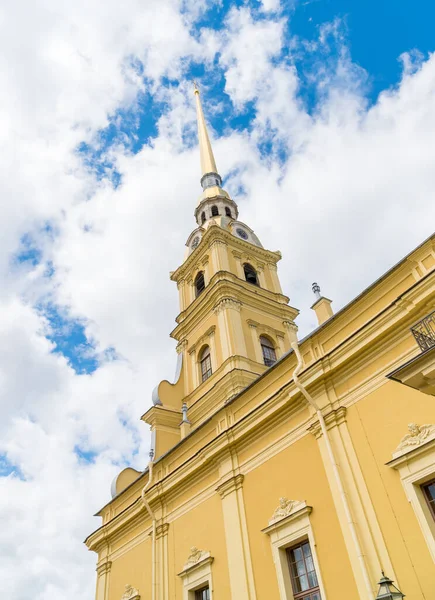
208 164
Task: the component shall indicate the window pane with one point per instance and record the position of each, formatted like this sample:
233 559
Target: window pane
297 554
302 572
312 579
309 563
430 491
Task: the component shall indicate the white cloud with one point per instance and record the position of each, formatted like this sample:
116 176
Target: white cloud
339 208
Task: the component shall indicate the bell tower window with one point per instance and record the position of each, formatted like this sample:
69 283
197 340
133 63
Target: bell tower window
199 284
214 211
203 217
205 363
268 349
228 212
250 274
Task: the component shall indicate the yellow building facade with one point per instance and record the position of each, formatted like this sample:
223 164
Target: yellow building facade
281 469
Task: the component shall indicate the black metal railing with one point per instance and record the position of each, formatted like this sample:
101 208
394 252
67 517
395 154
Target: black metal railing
424 332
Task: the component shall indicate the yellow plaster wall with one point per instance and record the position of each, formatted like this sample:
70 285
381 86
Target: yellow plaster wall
202 527
377 423
297 473
133 567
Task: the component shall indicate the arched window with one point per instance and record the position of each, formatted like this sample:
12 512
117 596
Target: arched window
269 354
203 217
217 181
250 274
214 211
205 363
228 212
199 283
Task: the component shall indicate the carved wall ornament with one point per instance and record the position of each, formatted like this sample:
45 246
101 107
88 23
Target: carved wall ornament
284 509
130 593
195 556
416 436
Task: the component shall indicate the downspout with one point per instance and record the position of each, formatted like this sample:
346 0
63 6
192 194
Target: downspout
335 470
153 519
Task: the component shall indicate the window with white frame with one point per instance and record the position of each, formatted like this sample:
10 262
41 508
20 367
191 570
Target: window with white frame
414 459
294 552
197 576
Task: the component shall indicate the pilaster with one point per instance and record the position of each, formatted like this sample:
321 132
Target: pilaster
273 273
369 533
236 535
256 341
103 578
163 560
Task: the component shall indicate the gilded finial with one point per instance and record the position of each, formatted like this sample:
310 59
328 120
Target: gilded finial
195 87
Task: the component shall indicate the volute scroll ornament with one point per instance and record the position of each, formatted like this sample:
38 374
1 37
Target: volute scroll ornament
418 434
130 593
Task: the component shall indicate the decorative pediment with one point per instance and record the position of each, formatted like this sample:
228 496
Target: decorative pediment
197 559
130 593
195 556
286 508
418 434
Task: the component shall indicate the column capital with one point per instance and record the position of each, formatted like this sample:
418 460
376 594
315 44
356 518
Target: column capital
226 303
104 568
230 485
332 419
162 530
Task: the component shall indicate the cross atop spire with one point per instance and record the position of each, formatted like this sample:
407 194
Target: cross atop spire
210 176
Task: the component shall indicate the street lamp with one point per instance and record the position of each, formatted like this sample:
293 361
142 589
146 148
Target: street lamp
388 591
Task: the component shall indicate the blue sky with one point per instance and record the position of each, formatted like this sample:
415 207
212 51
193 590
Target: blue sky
323 135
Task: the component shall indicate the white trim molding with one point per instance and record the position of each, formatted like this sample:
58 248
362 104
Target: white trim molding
289 525
414 459
196 573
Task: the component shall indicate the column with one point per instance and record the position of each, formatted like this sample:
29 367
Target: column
273 272
212 344
236 535
163 561
194 368
370 537
281 345
256 341
103 576
219 255
182 288
239 267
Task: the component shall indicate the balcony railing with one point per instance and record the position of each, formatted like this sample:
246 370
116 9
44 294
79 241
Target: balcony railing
424 332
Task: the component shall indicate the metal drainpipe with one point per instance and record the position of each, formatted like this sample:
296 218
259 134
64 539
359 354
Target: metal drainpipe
335 469
153 519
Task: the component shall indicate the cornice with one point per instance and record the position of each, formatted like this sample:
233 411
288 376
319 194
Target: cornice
412 455
222 285
332 419
277 525
161 415
217 233
104 568
230 485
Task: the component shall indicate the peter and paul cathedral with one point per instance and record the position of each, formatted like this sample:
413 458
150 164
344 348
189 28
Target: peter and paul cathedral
281 468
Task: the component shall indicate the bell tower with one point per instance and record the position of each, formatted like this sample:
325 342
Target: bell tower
234 320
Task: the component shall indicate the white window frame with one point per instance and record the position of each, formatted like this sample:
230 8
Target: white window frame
285 533
416 467
195 576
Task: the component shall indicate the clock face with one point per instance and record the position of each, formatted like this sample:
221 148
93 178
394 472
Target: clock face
195 242
242 233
